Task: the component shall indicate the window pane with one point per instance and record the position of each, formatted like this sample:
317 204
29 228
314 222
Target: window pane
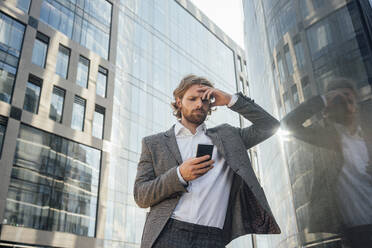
78 113
23 5
62 61
281 70
53 185
296 99
39 53
56 106
11 36
3 123
101 82
300 56
288 60
31 102
82 72
98 122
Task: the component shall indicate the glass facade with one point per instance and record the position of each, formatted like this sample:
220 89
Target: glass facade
32 97
54 184
323 147
86 22
63 60
56 105
11 37
83 72
78 114
57 194
40 50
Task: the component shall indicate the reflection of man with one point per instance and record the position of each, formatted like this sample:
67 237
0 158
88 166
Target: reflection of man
342 186
195 202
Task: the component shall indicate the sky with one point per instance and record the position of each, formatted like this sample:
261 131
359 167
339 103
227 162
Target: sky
227 14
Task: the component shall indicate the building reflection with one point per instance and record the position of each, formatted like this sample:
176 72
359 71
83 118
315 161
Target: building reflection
317 65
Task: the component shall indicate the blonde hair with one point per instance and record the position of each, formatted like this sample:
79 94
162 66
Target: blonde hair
183 86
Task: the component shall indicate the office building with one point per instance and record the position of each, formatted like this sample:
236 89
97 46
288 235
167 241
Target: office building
294 49
81 82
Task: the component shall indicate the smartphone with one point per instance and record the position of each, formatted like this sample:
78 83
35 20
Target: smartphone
204 150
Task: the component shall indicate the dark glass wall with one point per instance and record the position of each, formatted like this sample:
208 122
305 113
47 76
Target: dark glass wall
317 67
54 184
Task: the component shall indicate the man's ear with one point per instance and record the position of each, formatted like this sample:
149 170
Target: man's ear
178 102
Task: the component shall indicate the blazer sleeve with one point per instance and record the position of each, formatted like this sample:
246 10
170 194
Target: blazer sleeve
315 134
150 189
263 125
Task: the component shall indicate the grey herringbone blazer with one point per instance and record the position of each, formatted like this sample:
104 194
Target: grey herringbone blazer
157 185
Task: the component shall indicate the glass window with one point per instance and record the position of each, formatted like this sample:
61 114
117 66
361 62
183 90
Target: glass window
83 72
281 69
11 37
288 60
287 102
32 97
86 22
62 61
23 5
98 122
306 89
101 82
3 122
40 50
319 36
53 184
300 56
296 99
78 114
56 105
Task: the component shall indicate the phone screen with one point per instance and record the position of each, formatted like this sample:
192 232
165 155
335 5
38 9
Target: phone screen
204 150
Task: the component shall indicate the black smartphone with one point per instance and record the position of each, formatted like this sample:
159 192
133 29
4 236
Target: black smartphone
204 150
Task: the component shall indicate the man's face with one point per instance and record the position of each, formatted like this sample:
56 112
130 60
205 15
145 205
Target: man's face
193 108
343 107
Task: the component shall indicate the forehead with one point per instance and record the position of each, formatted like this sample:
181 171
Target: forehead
193 91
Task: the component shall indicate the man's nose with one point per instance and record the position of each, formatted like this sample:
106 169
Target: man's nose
199 103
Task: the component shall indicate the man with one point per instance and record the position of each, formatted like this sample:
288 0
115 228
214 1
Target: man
341 195
196 202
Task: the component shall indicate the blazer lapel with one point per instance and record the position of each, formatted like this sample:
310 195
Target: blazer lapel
216 140
171 143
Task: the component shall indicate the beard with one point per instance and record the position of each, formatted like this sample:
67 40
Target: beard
194 117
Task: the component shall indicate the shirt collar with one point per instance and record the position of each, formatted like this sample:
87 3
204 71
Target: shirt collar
181 130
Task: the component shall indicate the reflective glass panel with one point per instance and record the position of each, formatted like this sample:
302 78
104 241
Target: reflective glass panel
39 52
11 36
53 185
56 105
63 59
98 122
82 72
32 97
85 21
78 114
101 82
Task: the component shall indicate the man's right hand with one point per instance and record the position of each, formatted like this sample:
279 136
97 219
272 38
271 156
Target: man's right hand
195 167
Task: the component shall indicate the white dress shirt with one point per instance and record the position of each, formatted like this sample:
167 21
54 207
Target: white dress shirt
207 198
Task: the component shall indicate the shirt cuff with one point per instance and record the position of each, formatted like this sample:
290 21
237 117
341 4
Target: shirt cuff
233 100
180 177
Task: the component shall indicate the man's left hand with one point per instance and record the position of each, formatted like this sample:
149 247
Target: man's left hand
221 98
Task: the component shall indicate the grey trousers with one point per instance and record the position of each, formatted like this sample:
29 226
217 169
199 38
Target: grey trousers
179 234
